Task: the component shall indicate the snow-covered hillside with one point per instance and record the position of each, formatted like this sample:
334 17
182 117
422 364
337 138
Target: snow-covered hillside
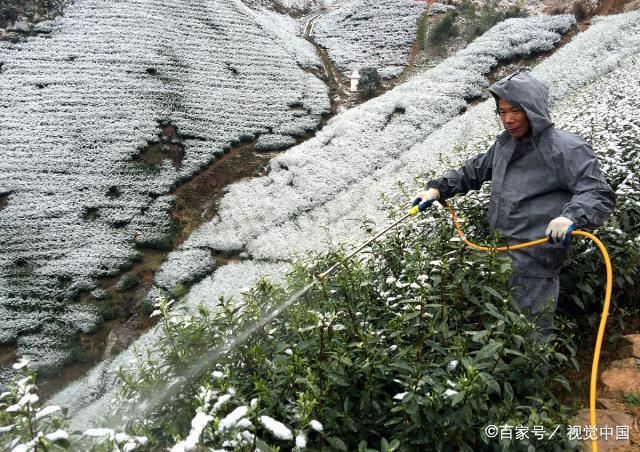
368 33
79 105
297 215
293 8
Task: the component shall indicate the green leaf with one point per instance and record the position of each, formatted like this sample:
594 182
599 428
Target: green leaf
336 442
411 406
489 350
490 382
578 301
494 385
563 381
492 310
395 420
574 363
508 392
457 398
345 360
263 446
339 380
493 292
401 366
477 337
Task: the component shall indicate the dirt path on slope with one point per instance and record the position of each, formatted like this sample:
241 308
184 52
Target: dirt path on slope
331 76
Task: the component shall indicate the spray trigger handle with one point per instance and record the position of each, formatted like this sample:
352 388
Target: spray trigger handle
422 205
567 237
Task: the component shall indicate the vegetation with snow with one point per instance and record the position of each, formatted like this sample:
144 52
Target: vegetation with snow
368 33
85 98
414 342
307 217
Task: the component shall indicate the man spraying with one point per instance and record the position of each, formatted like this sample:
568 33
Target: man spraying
543 181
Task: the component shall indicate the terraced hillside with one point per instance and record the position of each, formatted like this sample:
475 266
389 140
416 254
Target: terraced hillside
366 33
82 101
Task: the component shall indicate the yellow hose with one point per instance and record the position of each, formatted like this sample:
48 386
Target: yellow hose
603 318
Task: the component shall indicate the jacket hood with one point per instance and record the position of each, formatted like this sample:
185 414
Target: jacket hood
530 93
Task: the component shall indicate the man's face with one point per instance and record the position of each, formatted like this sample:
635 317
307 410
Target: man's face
514 119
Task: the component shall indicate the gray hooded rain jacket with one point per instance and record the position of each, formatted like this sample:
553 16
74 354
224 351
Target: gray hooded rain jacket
548 174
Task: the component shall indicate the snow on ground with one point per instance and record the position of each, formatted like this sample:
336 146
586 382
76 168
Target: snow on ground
327 184
290 7
370 33
294 7
80 103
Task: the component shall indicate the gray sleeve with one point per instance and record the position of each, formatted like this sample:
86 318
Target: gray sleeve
593 199
475 171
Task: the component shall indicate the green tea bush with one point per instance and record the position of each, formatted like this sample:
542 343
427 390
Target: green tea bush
26 425
478 22
415 344
126 282
491 15
444 28
370 81
585 269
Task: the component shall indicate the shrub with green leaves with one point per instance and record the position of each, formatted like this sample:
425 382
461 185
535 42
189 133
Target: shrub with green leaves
585 269
24 424
27 425
369 82
491 14
444 28
478 22
397 350
127 282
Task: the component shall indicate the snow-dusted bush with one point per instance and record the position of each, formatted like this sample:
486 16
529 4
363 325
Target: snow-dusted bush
370 33
184 266
605 114
26 425
86 97
274 142
439 8
86 397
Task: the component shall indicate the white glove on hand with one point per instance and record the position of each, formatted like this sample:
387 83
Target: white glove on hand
558 229
428 195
